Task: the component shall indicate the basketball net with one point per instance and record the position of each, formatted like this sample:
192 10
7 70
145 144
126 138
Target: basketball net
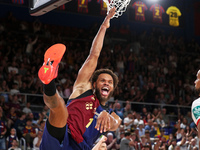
120 6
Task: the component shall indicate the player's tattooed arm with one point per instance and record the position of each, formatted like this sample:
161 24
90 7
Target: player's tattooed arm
58 111
51 101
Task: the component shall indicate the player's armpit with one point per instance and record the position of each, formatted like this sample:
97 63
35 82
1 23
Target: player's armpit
86 71
115 121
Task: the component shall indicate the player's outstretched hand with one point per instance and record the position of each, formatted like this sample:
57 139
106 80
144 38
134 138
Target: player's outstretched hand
103 122
111 13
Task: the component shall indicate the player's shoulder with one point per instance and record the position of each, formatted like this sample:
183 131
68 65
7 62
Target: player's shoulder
196 101
80 89
81 94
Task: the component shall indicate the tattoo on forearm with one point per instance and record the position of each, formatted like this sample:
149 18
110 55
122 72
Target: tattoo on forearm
51 102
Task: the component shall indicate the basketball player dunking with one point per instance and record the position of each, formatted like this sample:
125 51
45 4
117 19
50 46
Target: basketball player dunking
77 125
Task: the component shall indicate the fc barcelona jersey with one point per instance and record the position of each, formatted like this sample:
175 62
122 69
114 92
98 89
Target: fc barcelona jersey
83 6
140 9
174 14
157 12
83 112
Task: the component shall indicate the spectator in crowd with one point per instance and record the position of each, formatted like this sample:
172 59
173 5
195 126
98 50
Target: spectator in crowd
144 113
135 141
126 143
111 142
4 86
11 137
119 133
29 134
188 117
128 121
148 117
141 129
27 109
4 118
158 131
12 117
15 103
41 118
192 144
101 145
24 88
138 120
183 144
13 69
46 111
180 133
3 104
156 115
118 109
40 126
19 124
172 145
14 145
31 117
3 131
184 123
177 148
165 116
127 108
14 89
150 127
37 140
31 43
142 142
148 138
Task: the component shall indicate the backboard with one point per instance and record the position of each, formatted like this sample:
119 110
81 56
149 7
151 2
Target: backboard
40 7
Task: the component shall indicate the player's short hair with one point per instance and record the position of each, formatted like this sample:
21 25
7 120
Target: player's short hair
107 71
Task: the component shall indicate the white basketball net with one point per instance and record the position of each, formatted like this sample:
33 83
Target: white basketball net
120 6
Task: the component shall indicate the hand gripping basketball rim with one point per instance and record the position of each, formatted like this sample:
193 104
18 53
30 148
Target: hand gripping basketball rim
120 6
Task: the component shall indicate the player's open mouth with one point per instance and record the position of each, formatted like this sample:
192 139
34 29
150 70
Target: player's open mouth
105 91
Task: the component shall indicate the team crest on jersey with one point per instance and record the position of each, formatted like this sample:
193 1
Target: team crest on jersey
88 105
93 98
196 112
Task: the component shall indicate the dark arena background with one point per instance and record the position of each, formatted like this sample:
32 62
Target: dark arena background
153 48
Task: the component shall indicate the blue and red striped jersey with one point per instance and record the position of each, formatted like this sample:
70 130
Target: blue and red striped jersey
157 12
83 6
140 8
18 1
2 128
103 7
10 138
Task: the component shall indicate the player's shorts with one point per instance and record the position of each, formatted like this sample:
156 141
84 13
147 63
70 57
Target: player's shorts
51 143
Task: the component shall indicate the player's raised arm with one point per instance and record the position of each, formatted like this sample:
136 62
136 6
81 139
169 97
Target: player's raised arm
90 64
